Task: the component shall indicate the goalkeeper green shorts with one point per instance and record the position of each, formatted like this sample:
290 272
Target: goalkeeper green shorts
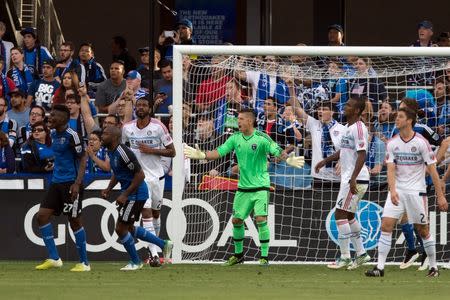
245 202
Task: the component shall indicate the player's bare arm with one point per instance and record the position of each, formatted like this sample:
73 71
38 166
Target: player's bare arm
75 187
441 201
391 183
360 160
137 179
169 151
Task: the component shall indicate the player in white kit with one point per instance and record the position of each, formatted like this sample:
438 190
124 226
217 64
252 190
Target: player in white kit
354 182
149 139
408 156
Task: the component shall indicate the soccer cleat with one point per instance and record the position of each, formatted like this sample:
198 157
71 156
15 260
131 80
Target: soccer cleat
375 272
154 262
132 266
50 263
424 262
234 260
167 251
340 263
263 262
359 261
410 257
81 267
433 273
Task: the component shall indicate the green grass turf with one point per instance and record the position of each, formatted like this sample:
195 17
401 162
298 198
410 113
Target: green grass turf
19 280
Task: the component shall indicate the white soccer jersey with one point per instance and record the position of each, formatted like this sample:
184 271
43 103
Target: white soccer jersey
410 158
355 138
155 135
315 127
253 78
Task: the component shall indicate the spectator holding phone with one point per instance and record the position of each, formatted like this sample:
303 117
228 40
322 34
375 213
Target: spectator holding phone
163 88
182 35
37 154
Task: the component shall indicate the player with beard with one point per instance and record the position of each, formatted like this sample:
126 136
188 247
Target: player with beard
149 140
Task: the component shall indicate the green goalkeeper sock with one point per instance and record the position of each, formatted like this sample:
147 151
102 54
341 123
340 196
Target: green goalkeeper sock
238 238
264 237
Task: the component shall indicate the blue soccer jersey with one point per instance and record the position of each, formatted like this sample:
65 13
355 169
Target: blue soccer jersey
68 149
124 165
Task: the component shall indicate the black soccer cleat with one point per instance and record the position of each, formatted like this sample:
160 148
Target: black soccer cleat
433 272
375 272
410 257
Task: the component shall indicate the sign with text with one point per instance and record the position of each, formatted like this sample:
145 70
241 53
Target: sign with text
214 21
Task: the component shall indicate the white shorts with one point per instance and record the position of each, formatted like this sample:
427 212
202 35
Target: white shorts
155 191
346 200
414 204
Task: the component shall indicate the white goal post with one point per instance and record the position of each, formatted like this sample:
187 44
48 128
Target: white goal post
177 226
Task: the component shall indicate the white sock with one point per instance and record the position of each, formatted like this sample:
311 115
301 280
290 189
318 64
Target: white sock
355 237
148 225
430 248
384 246
157 225
344 237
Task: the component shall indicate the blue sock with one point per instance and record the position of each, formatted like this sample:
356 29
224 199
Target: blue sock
47 236
147 236
419 240
128 242
80 238
408 232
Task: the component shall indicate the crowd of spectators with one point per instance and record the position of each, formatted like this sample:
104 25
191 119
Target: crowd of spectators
302 115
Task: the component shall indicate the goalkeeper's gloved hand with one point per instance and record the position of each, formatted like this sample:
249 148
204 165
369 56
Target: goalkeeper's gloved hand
194 153
295 161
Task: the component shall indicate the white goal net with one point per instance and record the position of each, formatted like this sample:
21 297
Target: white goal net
213 83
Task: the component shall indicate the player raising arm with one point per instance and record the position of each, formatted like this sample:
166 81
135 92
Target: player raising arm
408 155
251 147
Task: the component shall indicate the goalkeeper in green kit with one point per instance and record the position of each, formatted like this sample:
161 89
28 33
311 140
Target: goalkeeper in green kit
251 148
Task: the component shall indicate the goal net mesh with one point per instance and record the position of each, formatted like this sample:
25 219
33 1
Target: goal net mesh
301 206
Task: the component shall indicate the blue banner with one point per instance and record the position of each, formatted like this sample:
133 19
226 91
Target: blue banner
214 21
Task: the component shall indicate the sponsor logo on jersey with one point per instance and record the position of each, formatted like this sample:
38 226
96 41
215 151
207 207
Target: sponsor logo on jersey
368 216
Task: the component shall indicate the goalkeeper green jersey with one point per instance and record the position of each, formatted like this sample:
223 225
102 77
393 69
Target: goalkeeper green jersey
251 152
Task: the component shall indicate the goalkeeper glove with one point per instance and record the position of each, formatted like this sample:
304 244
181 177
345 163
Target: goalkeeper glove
194 153
295 161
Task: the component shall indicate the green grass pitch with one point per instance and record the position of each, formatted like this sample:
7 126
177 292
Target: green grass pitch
19 280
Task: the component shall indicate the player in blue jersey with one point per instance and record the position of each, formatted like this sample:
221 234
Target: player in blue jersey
65 192
134 193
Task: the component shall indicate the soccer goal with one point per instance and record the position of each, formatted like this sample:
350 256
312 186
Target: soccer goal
211 84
